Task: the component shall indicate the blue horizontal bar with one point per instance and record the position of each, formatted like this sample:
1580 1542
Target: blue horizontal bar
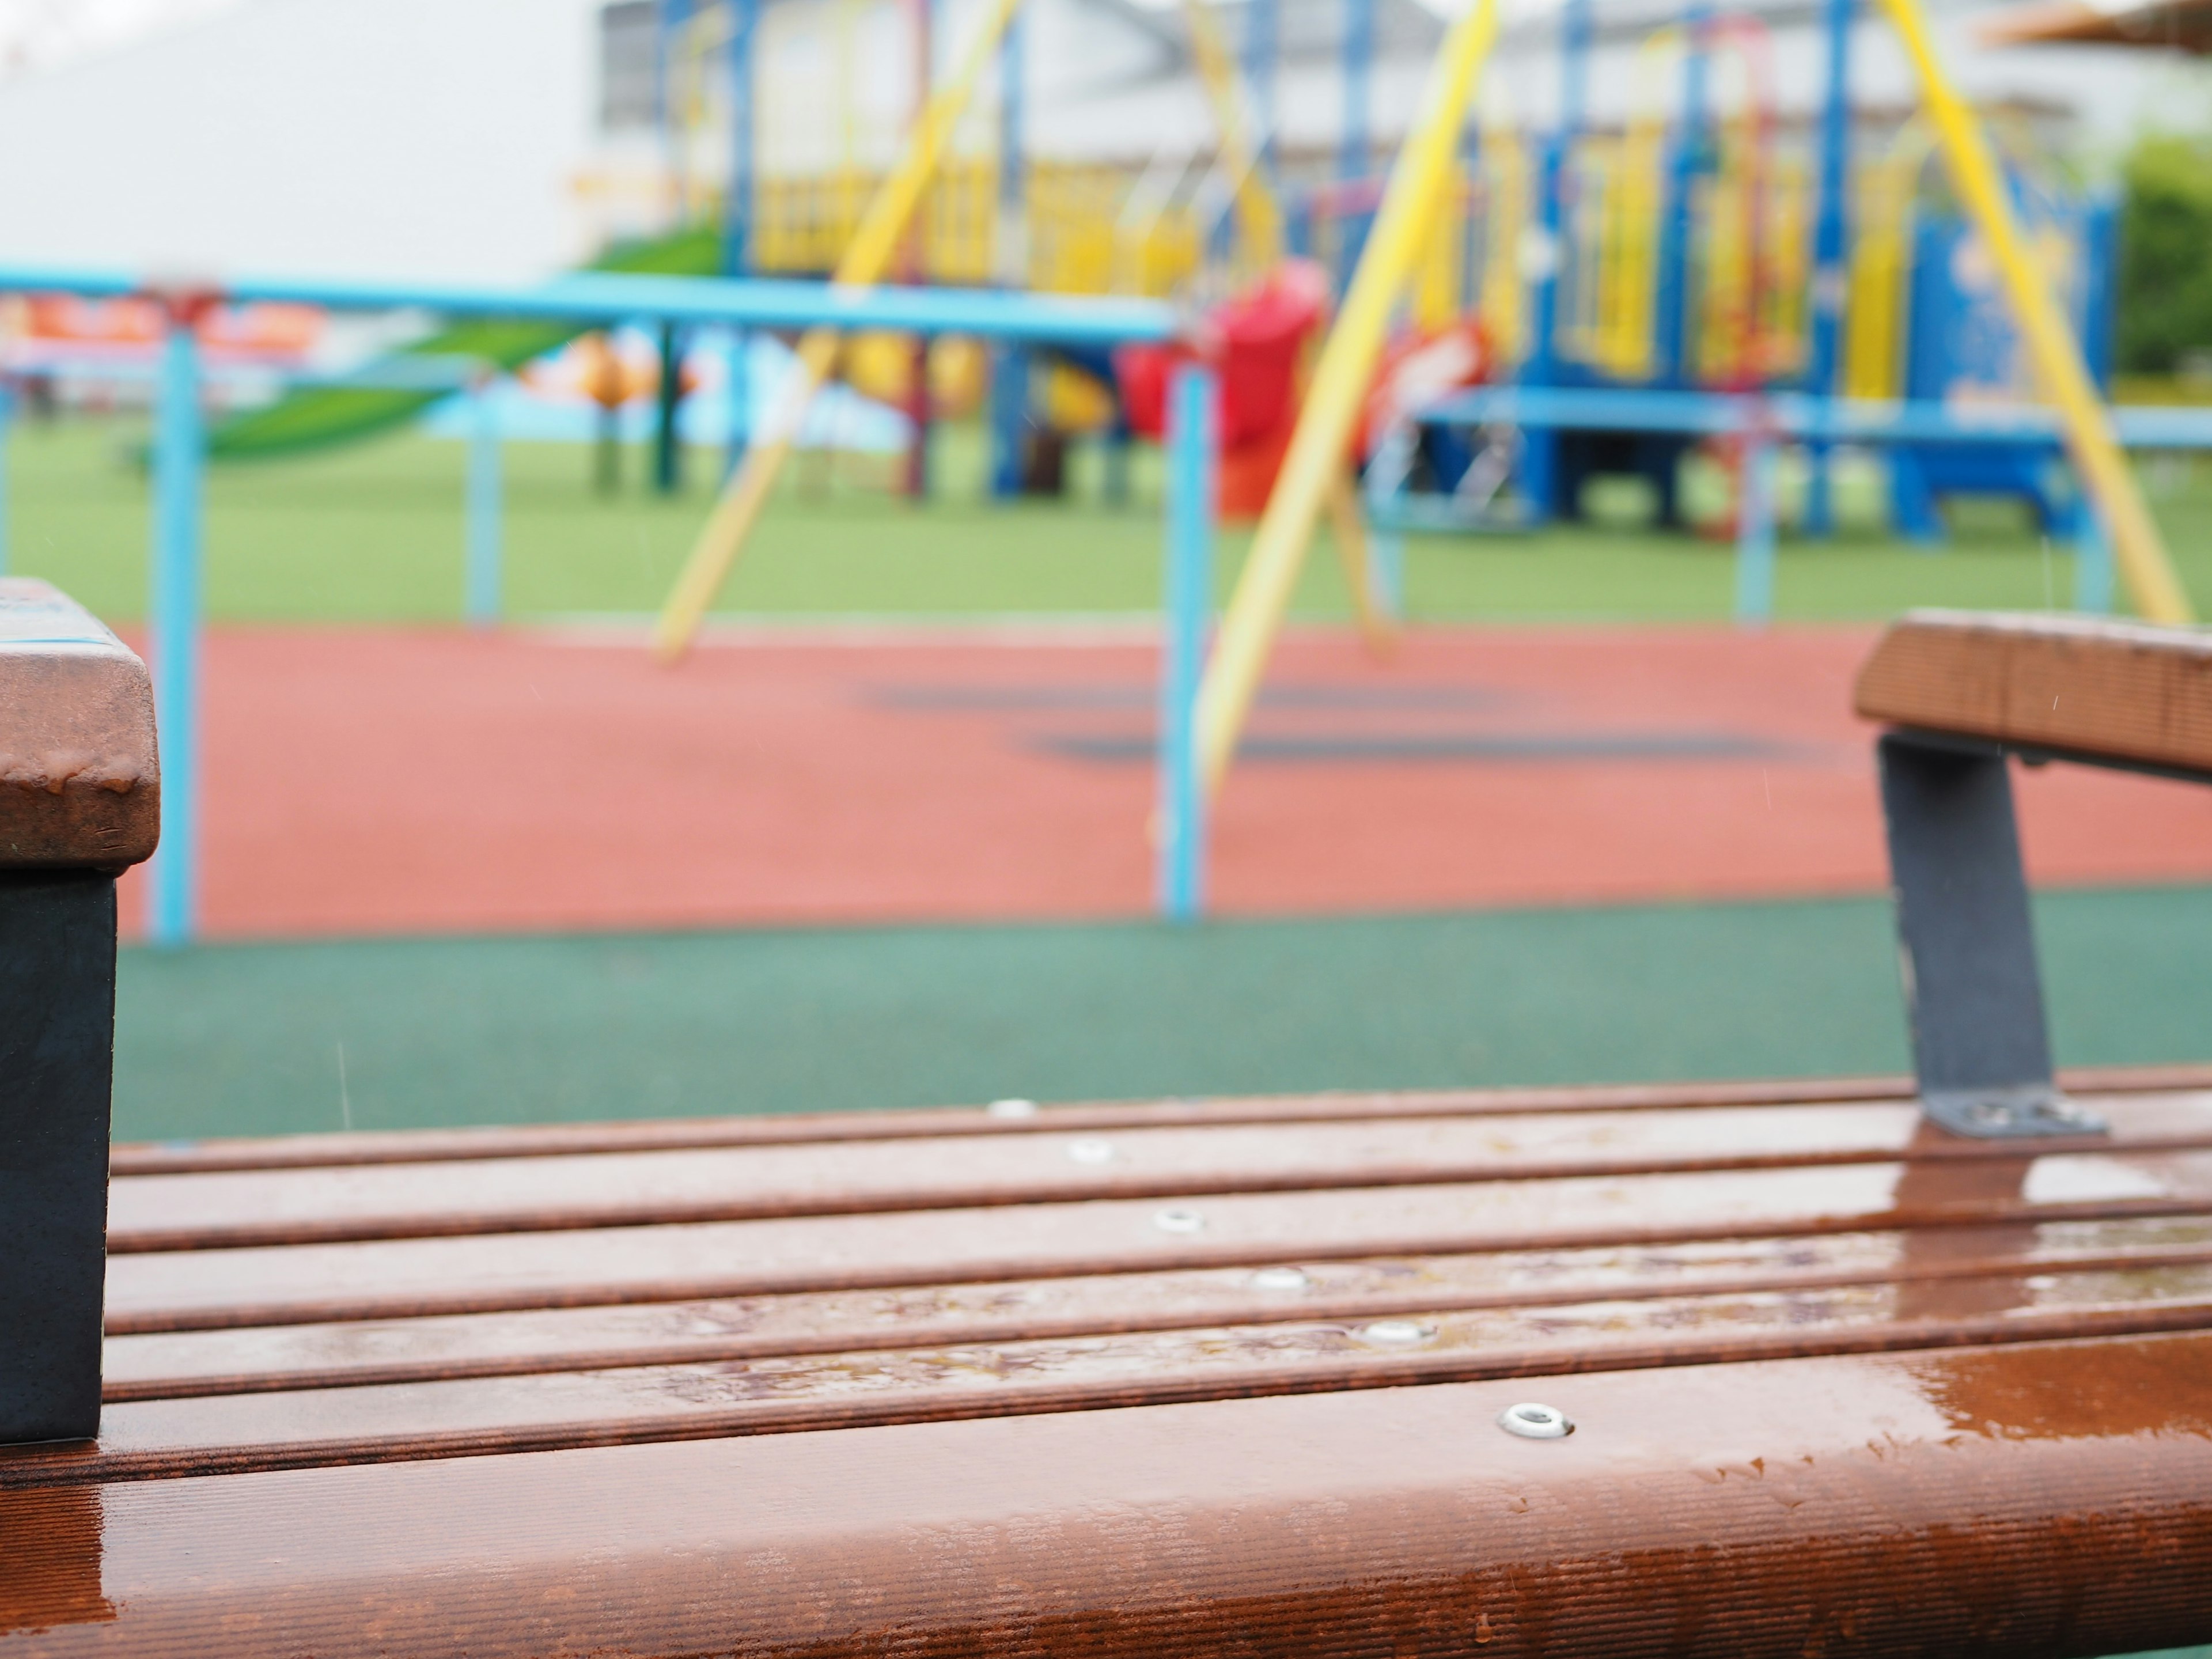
609 297
1794 414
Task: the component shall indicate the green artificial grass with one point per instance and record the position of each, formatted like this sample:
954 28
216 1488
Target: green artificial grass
373 532
273 1038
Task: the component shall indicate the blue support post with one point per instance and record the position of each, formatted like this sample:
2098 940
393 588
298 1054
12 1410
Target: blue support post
1831 240
1192 402
1010 361
2093 564
482 600
1686 159
1354 153
737 209
1540 479
1386 569
1754 533
1262 34
174 626
668 17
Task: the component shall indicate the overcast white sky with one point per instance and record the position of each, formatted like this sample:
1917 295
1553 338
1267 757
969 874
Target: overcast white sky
36 35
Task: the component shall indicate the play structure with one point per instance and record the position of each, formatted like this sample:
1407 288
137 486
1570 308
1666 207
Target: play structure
1420 181
1888 1365
1291 423
1705 240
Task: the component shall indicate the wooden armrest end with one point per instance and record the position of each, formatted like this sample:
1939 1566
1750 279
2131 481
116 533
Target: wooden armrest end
2122 692
80 777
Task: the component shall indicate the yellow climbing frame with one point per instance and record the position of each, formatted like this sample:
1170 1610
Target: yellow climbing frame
874 244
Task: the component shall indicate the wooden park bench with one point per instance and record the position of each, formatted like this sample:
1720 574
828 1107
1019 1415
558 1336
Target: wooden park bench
1787 1369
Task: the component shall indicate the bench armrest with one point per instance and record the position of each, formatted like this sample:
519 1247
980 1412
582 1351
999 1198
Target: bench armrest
2078 688
80 799
80 780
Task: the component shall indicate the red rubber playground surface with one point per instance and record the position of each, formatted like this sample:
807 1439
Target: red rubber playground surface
376 781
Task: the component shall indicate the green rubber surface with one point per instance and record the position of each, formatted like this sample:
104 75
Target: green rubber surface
253 1039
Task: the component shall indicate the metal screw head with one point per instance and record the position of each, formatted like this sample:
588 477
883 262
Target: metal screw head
1091 1151
1280 1279
1179 1221
1534 1422
1398 1332
1011 1108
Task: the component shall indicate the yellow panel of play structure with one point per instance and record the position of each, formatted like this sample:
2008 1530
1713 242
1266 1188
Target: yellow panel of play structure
1078 242
1504 206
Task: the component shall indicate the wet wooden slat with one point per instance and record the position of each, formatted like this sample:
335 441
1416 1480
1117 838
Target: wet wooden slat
221 1211
167 1365
404 1278
545 1411
1391 1521
553 1139
808 1128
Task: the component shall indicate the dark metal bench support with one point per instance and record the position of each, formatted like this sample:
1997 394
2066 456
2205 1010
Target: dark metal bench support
56 1046
1981 1047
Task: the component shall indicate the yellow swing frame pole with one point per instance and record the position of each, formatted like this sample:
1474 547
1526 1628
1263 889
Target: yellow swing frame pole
875 243
1316 460
2137 544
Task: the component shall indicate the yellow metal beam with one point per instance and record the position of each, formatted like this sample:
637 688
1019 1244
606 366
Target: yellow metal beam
875 242
1316 462
2140 549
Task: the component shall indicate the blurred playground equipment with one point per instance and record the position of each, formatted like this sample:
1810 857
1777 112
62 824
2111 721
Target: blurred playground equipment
1570 440
569 305
1506 317
1705 242
1704 239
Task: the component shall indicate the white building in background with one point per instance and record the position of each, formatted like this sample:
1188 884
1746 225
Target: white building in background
464 137
369 137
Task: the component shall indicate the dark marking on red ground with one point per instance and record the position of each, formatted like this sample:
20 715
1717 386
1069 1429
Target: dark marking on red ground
403 780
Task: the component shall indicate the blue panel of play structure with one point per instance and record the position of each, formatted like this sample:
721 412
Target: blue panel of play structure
1963 347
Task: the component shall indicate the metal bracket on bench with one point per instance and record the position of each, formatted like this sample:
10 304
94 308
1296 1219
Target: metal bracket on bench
1981 1046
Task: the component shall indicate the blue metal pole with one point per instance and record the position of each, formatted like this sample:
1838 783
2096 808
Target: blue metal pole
2093 564
667 17
1831 239
738 210
1356 147
1539 452
1260 52
1010 362
1754 534
1673 300
174 617
1191 415
482 604
1386 560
